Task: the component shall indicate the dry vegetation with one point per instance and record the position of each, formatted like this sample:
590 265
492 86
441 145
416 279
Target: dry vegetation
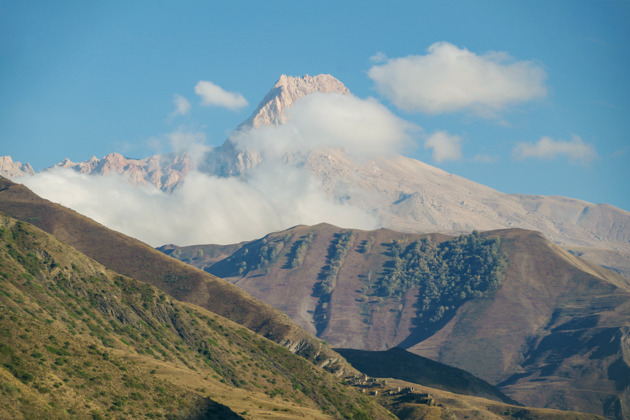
80 340
544 325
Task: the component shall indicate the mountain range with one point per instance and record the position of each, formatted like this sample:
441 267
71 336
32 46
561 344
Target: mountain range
529 293
547 327
80 340
399 193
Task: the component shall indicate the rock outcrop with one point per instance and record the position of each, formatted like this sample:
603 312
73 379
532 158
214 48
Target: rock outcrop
11 169
163 171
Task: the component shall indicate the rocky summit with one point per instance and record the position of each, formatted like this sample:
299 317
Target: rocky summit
403 194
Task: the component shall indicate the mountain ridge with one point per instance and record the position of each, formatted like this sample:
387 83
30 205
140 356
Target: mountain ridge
511 334
401 193
131 257
81 341
125 310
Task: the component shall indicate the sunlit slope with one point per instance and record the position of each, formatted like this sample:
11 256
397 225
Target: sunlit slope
538 329
79 340
135 259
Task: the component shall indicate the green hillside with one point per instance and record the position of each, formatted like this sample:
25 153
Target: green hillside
81 341
135 259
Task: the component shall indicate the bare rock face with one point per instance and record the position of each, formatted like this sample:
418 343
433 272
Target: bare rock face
287 91
163 171
229 160
10 169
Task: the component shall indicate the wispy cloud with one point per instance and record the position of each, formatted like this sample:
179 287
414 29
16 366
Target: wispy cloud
182 106
214 95
192 143
444 146
484 159
547 148
379 57
450 79
621 152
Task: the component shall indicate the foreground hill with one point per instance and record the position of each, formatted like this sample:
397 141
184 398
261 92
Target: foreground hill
79 340
135 259
509 306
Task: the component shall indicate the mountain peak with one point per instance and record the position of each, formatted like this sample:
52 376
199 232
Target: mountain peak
11 169
287 91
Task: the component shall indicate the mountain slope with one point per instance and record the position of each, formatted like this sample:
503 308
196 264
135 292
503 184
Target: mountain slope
80 340
551 330
137 260
403 194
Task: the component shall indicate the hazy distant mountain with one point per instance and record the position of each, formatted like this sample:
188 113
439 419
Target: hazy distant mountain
10 169
551 329
163 171
401 193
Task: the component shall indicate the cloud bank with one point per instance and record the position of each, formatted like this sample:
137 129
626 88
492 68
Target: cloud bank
547 148
277 194
214 95
450 79
204 209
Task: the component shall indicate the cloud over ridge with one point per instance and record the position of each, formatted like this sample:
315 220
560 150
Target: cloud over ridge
449 79
277 193
332 120
444 146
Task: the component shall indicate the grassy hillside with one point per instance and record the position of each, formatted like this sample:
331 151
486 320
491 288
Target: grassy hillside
135 259
81 341
549 328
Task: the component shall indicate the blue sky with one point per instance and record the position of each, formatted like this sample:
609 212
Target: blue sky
88 78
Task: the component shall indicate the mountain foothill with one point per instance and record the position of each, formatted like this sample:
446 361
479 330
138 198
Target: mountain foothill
464 303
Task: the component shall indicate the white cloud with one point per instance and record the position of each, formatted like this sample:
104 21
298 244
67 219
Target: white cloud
547 148
182 106
379 57
191 143
444 146
330 120
204 209
450 79
214 95
278 193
